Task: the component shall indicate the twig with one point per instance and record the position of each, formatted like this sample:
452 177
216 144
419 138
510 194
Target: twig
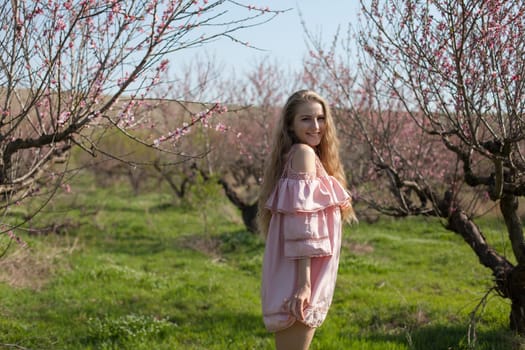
471 333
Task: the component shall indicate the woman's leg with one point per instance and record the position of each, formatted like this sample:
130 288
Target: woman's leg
296 337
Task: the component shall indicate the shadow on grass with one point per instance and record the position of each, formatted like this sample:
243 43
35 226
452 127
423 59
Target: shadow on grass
450 337
134 243
127 204
182 208
231 330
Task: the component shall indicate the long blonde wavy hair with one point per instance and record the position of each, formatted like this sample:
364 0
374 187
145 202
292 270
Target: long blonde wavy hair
284 138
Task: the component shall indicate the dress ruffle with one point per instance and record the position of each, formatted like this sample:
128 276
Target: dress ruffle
304 192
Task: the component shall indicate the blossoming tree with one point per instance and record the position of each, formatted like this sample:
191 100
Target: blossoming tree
456 69
235 148
67 65
436 103
256 99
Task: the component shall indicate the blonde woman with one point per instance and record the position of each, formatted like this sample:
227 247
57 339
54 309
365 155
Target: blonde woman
302 204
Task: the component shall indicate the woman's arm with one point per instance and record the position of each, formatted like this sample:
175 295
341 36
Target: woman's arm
304 161
301 297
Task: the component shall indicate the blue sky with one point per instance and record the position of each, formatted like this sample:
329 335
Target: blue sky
283 38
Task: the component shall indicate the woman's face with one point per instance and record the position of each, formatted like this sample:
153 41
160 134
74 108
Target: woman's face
309 123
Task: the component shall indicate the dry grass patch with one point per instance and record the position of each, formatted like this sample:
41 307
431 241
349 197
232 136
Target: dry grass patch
356 247
206 245
27 267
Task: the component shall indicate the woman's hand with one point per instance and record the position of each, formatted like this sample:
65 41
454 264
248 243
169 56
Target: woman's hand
301 298
300 301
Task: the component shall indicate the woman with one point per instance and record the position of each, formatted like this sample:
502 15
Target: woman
301 206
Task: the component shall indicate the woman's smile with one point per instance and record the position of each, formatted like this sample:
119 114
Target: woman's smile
309 123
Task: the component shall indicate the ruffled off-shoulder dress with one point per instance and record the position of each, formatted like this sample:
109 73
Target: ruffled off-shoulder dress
306 222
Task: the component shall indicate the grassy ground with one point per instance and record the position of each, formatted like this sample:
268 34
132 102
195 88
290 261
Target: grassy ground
135 272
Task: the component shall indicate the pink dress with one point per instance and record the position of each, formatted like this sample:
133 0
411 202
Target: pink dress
306 222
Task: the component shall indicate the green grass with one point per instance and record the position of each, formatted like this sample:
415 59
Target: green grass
136 272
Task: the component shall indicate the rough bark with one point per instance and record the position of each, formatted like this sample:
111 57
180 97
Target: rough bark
460 223
509 209
248 211
516 278
179 188
516 292
509 279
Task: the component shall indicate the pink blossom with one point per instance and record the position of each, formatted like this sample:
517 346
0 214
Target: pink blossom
163 65
61 25
64 117
221 127
116 7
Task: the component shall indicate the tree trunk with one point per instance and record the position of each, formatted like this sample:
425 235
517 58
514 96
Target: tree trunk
516 291
516 278
460 223
248 211
509 279
509 208
249 217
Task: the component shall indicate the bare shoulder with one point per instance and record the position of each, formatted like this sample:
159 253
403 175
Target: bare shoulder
303 159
